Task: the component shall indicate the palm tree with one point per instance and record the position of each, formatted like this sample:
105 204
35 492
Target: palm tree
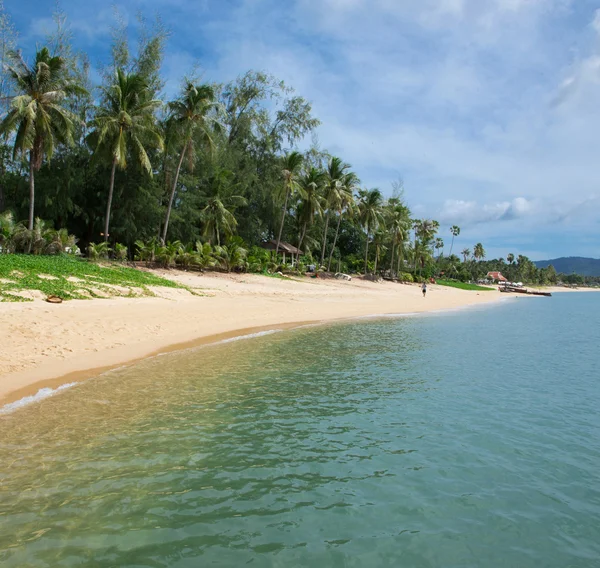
479 251
232 255
292 163
336 170
510 257
439 245
398 221
219 205
345 203
191 117
370 202
378 241
311 203
455 230
125 123
466 252
36 113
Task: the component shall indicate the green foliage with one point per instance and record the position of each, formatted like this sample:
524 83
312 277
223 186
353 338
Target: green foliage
43 239
120 252
166 255
37 115
98 251
462 285
231 256
69 277
406 277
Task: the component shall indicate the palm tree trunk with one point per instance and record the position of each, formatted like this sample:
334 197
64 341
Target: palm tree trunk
165 228
392 259
287 195
31 190
110 197
325 238
367 251
337 230
303 234
451 245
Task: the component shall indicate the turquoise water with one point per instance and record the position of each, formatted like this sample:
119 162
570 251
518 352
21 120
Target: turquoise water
461 439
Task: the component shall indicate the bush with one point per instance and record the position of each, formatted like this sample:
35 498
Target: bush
98 251
43 239
120 252
406 277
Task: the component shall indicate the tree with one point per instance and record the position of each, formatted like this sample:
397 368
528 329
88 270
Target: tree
510 257
291 166
439 245
466 252
334 189
37 113
125 123
479 252
370 202
311 203
345 204
191 117
398 224
455 230
220 202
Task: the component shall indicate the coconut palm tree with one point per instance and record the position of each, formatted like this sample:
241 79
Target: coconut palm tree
345 204
125 124
370 203
479 252
398 223
379 239
334 189
37 113
455 230
466 252
292 164
510 258
311 202
219 202
439 245
192 117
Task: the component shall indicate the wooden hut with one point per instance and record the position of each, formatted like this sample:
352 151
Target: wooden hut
284 248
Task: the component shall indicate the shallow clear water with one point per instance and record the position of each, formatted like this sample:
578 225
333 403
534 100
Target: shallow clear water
462 439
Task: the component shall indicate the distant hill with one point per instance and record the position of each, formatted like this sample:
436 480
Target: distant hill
570 264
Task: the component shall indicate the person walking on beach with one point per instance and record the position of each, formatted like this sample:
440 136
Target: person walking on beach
424 288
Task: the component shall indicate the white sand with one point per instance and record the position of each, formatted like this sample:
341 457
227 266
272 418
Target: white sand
51 344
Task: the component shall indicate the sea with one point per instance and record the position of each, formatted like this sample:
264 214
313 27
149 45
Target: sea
458 439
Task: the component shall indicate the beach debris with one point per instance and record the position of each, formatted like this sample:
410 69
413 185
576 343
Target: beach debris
54 299
342 276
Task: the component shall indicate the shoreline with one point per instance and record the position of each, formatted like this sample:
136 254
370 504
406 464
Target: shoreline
56 345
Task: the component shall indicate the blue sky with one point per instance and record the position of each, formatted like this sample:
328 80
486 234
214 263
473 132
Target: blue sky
489 110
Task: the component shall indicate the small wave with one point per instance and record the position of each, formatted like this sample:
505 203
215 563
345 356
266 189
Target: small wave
40 395
250 335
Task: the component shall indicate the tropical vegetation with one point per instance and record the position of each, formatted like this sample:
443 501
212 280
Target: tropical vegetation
120 170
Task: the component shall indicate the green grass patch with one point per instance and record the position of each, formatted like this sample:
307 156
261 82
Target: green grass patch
72 278
463 285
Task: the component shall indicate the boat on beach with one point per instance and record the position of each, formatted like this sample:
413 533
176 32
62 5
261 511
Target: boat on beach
519 289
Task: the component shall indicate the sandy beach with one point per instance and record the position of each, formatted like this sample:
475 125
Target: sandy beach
49 345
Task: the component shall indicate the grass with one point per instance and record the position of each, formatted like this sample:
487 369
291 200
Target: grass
72 278
462 285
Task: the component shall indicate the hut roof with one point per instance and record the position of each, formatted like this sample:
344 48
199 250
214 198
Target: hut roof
496 276
283 247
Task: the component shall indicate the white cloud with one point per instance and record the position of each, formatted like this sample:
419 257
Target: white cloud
471 213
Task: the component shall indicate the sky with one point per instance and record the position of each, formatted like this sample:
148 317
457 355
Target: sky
487 110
